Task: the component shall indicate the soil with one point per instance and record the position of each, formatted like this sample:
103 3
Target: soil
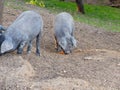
93 65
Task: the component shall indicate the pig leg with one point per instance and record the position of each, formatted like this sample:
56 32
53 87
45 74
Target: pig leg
57 47
56 44
29 47
21 46
38 44
73 28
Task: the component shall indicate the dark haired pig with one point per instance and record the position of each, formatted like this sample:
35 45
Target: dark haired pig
64 28
23 30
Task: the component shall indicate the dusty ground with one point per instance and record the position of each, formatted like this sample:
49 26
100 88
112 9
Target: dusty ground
93 65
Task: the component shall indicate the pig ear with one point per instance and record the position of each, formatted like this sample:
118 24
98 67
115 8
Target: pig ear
74 42
6 46
62 43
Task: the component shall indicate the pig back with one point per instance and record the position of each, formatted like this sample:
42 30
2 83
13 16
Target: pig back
27 26
64 24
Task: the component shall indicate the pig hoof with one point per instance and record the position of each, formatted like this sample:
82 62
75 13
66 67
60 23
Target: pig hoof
37 54
19 52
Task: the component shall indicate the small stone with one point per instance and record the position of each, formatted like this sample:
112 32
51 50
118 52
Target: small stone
88 58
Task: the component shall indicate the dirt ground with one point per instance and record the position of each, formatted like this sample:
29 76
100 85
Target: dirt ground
93 65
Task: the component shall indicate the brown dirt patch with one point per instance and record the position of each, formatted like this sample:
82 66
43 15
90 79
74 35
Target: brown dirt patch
93 65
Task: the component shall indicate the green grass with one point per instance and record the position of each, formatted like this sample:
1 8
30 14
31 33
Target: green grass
99 16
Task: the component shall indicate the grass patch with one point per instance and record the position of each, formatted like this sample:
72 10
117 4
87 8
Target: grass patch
99 16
